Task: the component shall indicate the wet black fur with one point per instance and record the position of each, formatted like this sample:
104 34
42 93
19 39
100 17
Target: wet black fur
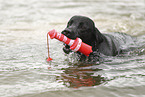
84 28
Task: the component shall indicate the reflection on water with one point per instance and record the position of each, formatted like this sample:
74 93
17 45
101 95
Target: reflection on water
24 71
81 75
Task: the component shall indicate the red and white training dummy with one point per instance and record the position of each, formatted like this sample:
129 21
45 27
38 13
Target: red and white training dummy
75 45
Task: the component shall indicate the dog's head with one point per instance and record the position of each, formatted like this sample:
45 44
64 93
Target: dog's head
80 26
84 28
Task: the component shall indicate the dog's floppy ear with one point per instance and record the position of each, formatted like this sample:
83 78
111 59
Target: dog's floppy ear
98 35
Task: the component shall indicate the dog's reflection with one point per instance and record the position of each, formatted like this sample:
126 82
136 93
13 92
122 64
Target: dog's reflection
81 75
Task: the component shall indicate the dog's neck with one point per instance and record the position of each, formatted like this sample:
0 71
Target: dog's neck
94 45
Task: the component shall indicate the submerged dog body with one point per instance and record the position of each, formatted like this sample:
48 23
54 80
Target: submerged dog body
84 28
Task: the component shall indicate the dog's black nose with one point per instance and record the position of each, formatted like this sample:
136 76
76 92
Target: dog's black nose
69 32
66 32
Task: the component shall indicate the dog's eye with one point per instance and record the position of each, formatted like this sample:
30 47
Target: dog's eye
81 26
70 23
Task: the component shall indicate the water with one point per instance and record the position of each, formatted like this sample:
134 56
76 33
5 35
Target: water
24 71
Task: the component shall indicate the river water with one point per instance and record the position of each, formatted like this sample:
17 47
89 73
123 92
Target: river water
24 71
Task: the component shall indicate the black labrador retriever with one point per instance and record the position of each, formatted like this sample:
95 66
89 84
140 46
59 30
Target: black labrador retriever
106 44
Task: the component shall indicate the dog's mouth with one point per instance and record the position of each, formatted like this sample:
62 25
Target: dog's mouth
69 34
67 46
66 49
